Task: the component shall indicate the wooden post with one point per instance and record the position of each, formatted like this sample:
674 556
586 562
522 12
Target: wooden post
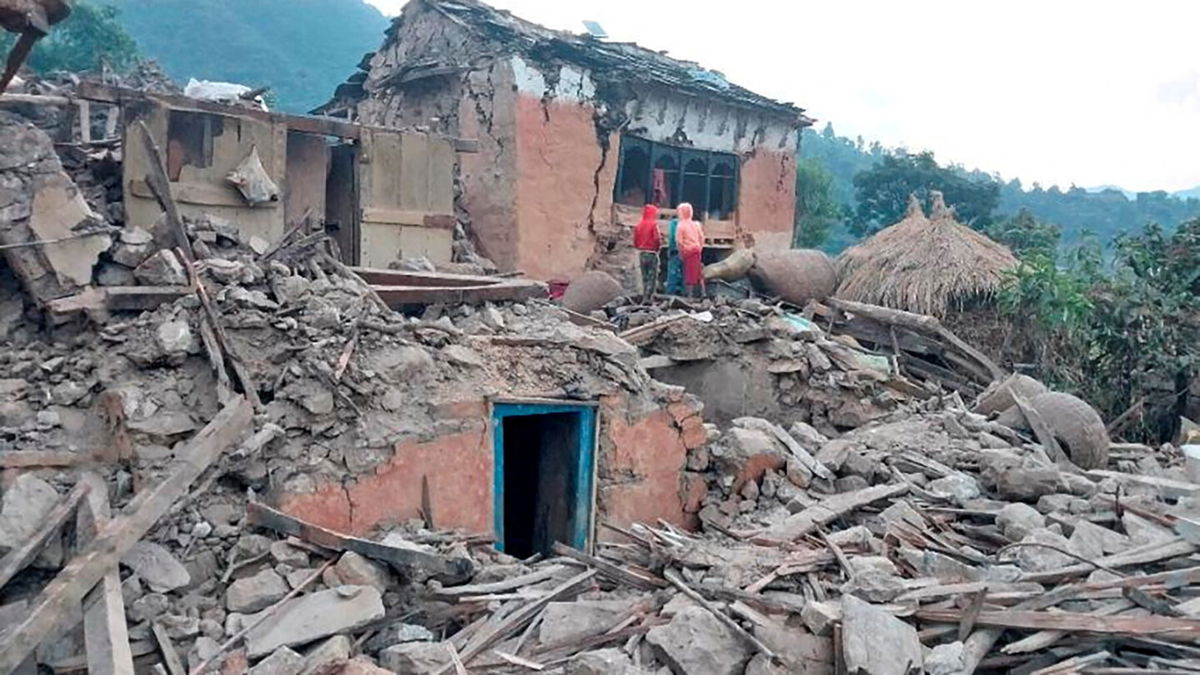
105 632
50 610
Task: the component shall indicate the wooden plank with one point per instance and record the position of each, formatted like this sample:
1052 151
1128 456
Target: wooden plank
18 558
170 656
31 459
105 631
143 298
160 185
1043 639
836 506
53 607
446 568
609 570
501 586
199 194
1144 555
393 216
500 631
1159 626
1042 430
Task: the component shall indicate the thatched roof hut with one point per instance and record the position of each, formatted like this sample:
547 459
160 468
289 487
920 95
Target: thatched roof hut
921 264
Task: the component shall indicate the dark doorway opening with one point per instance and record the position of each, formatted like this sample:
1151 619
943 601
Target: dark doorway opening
543 481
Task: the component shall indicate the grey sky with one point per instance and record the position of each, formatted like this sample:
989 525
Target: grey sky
1056 91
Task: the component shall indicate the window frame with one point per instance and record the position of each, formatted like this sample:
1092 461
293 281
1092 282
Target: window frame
681 157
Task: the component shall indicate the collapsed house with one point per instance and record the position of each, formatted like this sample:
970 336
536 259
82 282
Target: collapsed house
223 447
576 134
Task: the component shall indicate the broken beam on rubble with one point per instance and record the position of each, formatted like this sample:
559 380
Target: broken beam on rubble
501 586
1158 626
1044 433
517 620
53 608
447 568
610 570
1144 555
808 520
729 623
920 323
31 459
160 185
105 631
16 560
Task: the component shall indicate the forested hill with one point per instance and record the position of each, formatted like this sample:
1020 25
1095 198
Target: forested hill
302 49
1104 213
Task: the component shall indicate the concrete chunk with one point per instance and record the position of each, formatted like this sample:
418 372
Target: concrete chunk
255 593
156 566
417 658
696 642
283 661
318 659
357 570
877 643
566 620
25 505
315 616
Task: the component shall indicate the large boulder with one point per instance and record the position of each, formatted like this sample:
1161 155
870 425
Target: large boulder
1077 425
796 275
999 396
590 292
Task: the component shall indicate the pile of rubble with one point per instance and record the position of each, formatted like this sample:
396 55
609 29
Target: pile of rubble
843 512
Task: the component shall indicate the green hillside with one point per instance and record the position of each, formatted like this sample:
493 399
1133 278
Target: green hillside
1079 213
302 49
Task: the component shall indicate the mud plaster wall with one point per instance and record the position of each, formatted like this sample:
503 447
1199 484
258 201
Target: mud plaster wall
640 473
539 191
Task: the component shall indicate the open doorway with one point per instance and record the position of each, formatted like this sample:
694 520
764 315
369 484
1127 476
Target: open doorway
543 483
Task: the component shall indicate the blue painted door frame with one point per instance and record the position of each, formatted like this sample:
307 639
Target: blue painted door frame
581 527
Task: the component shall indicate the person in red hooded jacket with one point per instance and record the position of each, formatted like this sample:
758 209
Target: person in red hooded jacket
648 242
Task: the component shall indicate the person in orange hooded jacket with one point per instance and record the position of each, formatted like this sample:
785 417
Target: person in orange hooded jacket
648 242
689 238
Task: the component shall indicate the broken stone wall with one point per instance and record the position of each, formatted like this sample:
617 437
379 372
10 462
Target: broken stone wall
641 458
40 203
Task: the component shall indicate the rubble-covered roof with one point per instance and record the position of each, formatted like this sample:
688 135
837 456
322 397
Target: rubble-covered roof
619 61
628 60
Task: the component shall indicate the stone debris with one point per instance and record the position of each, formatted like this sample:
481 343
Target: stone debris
831 506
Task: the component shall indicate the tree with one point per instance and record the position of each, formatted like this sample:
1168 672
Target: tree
1026 235
816 209
91 34
882 192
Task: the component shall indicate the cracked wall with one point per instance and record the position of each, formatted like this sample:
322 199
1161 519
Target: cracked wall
539 191
641 460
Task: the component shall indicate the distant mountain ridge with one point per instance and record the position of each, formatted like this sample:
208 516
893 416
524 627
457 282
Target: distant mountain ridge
302 49
1103 212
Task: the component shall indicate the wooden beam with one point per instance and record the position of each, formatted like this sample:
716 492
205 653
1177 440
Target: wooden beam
105 631
1044 433
36 459
17 559
160 185
167 649
444 567
1165 627
610 570
52 609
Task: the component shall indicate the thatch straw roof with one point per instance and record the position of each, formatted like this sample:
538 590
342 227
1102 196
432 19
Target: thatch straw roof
924 264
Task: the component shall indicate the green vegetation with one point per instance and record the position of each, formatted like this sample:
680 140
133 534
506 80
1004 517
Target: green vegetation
302 50
882 192
91 35
1121 336
868 179
817 210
